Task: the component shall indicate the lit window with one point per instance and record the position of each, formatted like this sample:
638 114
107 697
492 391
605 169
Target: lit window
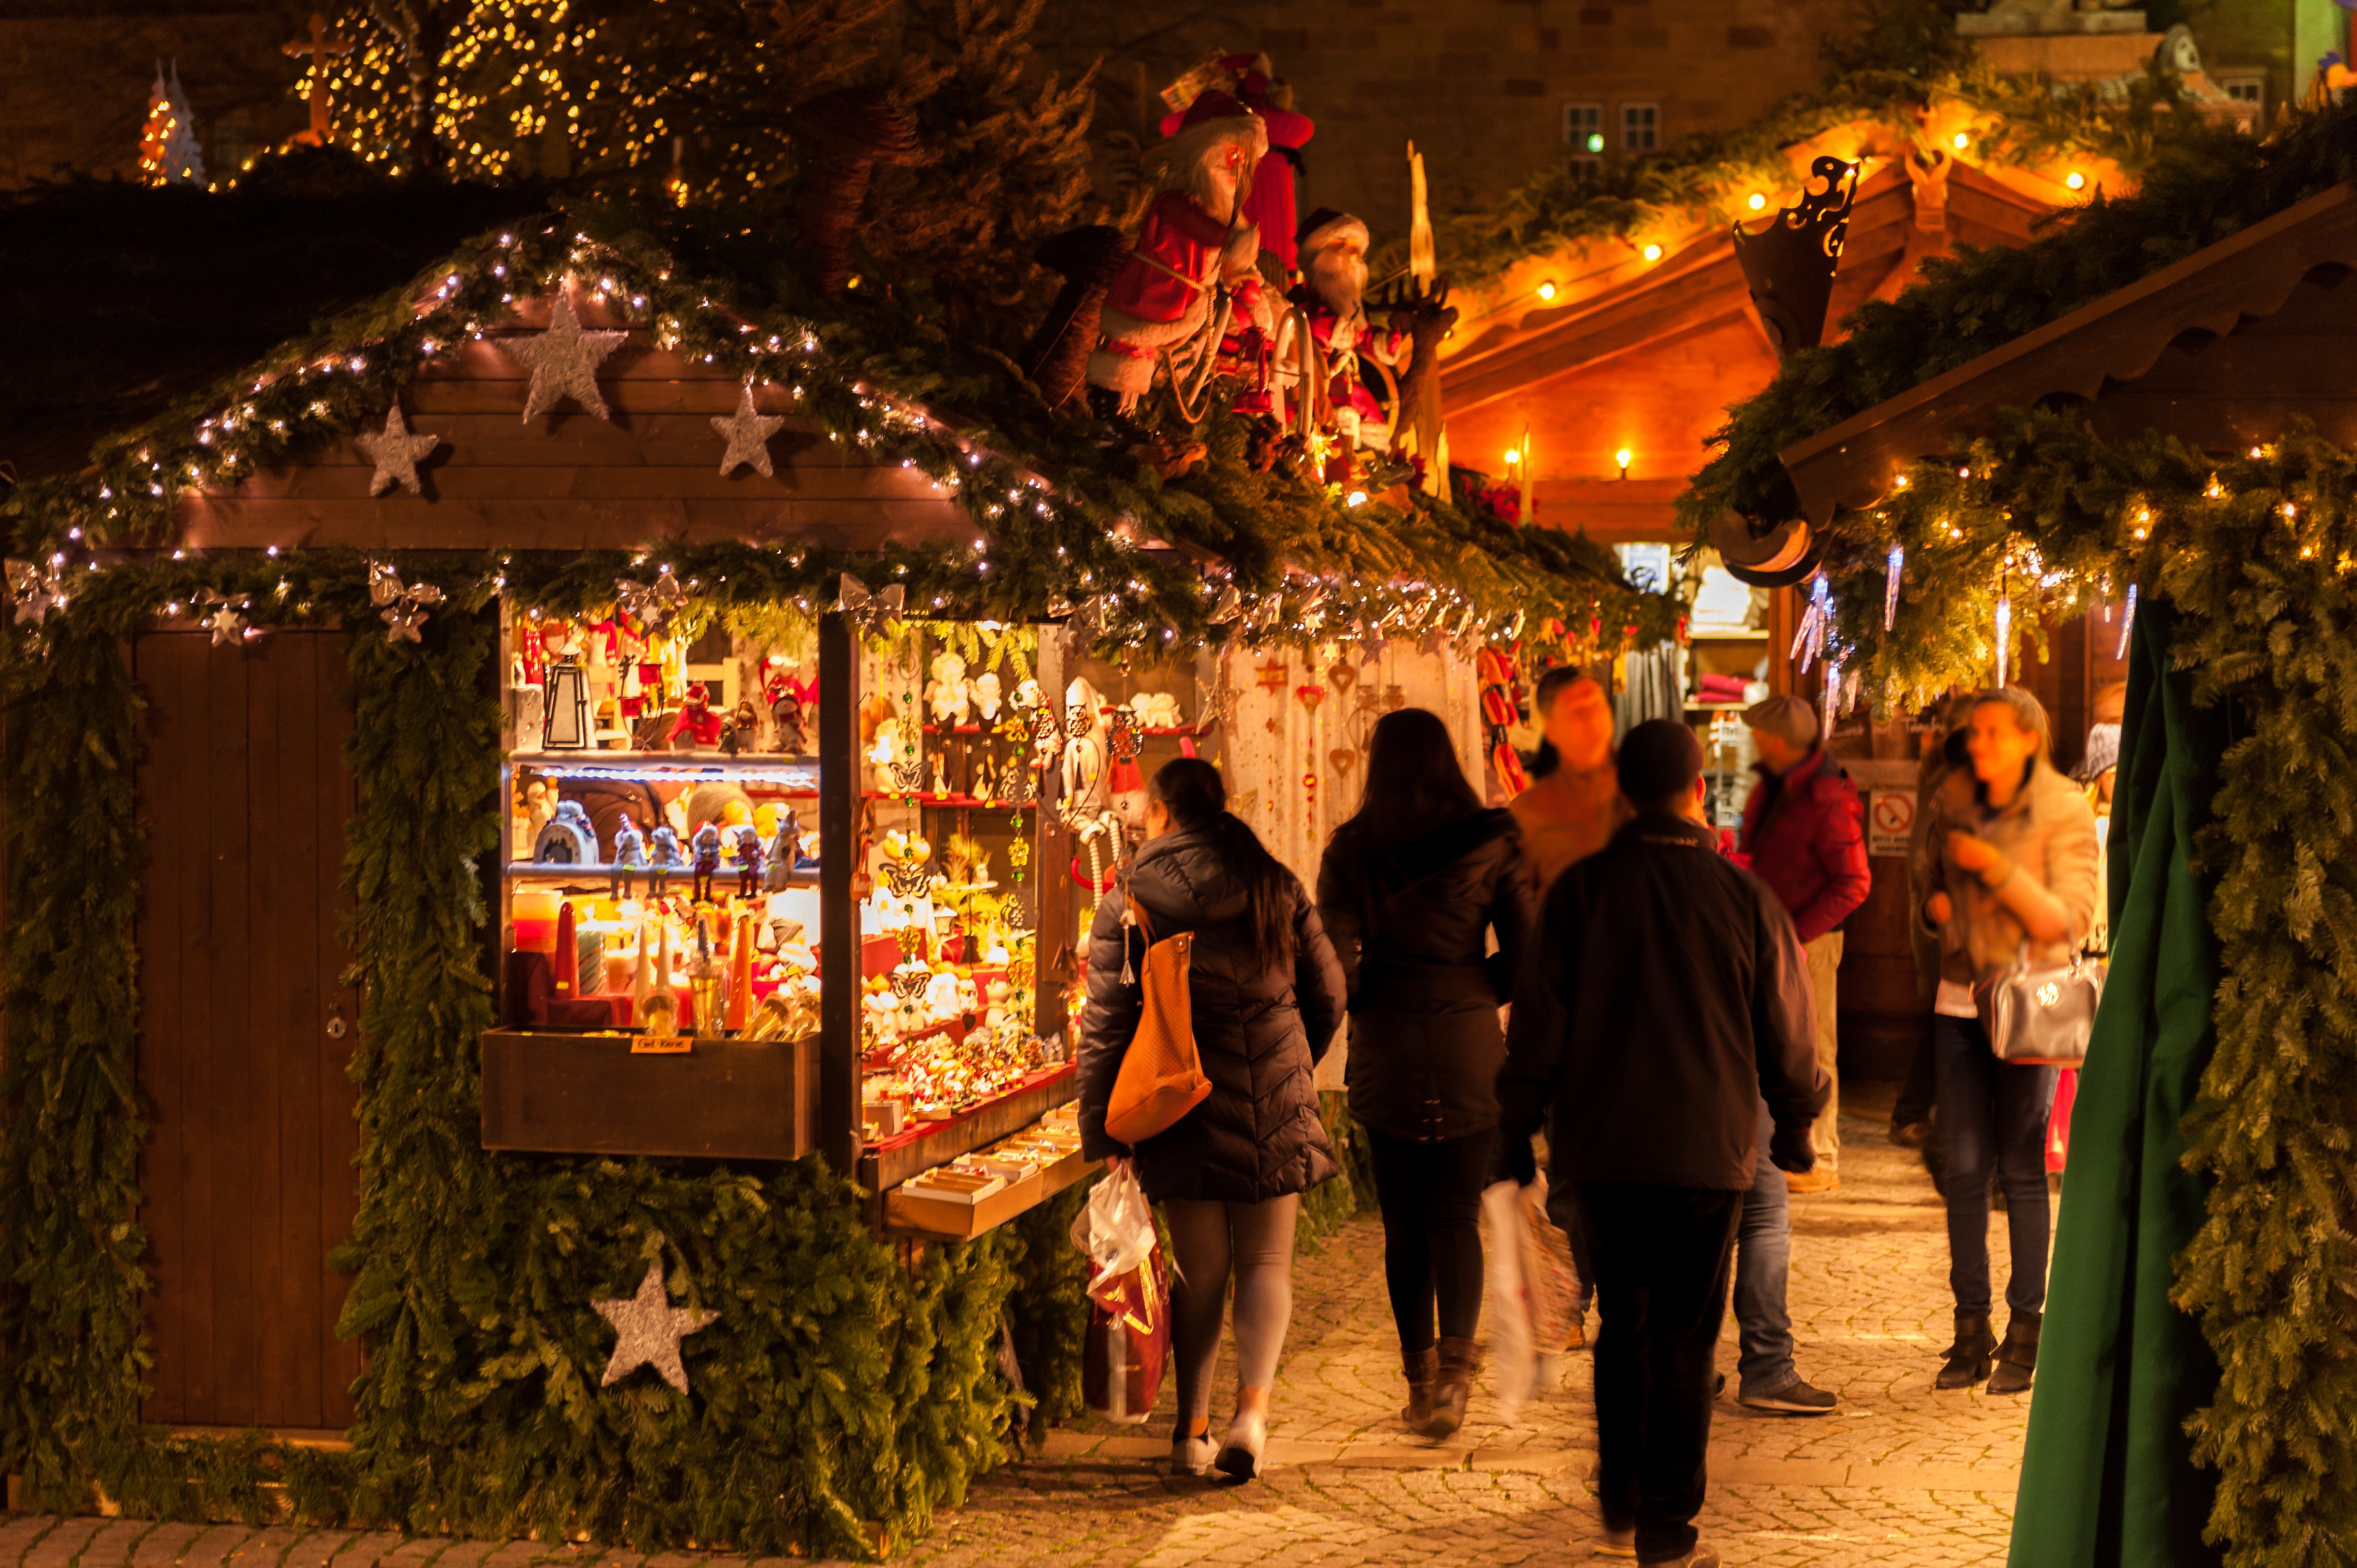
1641 127
1583 136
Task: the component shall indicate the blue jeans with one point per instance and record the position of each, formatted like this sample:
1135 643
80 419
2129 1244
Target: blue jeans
1763 1256
1993 1117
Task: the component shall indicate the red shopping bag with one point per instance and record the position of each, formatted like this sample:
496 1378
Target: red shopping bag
1128 1341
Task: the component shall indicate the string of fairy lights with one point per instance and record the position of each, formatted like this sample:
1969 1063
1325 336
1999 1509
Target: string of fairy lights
1042 544
1958 573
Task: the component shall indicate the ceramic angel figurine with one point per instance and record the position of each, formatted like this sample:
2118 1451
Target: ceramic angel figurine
1084 748
947 694
983 688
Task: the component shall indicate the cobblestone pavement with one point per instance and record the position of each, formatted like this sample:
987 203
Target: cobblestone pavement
1902 1478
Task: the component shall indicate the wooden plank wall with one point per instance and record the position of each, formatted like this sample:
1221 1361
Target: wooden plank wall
247 1178
569 480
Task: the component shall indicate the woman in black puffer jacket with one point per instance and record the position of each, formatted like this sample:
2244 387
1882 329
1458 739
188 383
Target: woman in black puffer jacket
1411 889
1267 996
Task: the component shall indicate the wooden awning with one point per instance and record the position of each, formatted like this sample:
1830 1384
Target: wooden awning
2209 350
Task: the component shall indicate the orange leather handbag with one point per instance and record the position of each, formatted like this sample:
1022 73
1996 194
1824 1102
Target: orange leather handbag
1161 1078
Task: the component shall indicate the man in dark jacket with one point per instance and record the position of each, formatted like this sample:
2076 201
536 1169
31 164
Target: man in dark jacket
1805 832
1661 1001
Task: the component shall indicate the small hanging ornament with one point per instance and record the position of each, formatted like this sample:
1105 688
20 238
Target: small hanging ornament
1309 695
1891 570
2127 622
2004 634
1230 606
402 608
1832 703
1343 760
36 590
649 604
223 617
868 610
1816 622
1272 677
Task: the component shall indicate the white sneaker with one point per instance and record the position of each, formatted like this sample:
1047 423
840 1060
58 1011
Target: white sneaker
1239 1457
1190 1455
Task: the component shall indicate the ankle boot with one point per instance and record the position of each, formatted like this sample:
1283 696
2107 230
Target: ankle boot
1451 1389
1422 1367
1968 1357
2016 1358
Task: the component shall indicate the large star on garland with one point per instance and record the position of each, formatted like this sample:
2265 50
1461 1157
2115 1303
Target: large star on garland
650 1329
564 361
396 453
748 433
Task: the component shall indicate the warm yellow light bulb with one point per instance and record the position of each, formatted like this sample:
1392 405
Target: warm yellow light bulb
1546 291
1513 456
1963 141
2075 180
1652 252
1622 457
1758 201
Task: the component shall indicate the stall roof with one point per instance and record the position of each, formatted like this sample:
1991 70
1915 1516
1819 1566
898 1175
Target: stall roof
2229 325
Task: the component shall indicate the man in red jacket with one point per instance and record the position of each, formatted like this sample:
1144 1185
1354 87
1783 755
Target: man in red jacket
1805 832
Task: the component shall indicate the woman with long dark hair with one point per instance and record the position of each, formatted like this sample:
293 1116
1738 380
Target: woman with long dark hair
1411 890
1229 1175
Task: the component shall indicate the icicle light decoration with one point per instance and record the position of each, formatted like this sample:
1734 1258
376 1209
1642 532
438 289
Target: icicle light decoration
2127 622
1892 569
2004 634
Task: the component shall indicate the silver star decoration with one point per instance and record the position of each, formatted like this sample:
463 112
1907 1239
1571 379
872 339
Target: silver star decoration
564 361
649 1330
748 433
222 616
651 605
1230 606
402 608
396 453
36 591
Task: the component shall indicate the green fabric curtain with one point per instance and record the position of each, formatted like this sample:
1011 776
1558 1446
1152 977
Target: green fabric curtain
2106 1478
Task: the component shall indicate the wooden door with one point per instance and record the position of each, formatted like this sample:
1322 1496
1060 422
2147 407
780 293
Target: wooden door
245 1029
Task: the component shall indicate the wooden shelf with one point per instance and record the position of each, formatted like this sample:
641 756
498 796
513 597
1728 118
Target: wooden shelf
1693 635
953 801
554 1092
932 1220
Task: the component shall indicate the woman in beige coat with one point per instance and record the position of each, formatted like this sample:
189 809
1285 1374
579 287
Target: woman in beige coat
2009 868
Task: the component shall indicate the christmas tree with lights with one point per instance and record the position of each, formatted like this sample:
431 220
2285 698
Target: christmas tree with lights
168 154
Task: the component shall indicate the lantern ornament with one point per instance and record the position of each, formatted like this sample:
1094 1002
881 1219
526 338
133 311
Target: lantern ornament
568 706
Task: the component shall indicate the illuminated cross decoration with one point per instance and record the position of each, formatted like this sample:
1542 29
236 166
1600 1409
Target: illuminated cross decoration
321 49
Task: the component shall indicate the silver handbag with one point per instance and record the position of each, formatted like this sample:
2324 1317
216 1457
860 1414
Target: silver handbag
2041 1017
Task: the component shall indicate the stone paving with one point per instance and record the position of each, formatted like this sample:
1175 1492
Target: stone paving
1903 1476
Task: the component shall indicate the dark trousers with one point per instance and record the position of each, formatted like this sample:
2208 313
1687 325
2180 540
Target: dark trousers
1431 1198
1662 1258
1993 1117
1921 1087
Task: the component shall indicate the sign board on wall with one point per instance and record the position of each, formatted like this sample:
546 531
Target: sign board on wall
1889 820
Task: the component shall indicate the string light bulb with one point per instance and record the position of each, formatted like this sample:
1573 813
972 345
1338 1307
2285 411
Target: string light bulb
1622 458
1758 201
2075 180
1546 290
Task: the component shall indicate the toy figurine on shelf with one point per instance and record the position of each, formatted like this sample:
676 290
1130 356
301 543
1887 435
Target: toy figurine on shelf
947 691
786 721
783 851
630 857
741 730
940 775
662 859
696 720
706 847
986 693
567 839
750 860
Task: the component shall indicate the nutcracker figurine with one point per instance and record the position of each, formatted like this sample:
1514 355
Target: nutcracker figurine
630 857
706 848
748 860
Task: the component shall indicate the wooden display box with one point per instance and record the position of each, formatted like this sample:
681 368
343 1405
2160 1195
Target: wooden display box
587 1094
922 1145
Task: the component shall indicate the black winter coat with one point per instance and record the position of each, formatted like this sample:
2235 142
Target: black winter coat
1410 926
1260 1028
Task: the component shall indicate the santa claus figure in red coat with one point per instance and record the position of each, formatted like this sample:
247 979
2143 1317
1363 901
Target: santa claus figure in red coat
1253 81
1332 294
1196 248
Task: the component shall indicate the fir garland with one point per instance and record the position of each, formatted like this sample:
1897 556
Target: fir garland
1062 515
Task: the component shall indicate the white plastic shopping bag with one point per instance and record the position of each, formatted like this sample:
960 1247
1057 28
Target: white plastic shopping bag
1117 1229
1514 1353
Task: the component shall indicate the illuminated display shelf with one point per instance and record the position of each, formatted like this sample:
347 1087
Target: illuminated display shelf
798 775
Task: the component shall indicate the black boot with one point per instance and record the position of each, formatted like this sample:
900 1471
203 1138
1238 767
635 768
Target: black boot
1422 1367
1968 1357
2016 1358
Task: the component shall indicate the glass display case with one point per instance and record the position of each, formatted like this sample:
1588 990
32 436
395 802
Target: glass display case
771 891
